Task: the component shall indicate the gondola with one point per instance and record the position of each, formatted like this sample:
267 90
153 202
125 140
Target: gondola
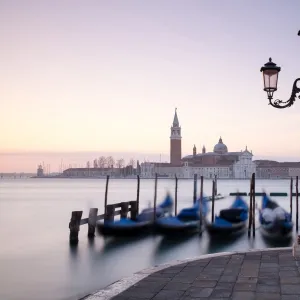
231 220
275 222
187 221
142 224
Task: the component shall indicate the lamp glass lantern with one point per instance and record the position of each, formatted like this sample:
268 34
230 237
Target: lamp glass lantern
270 74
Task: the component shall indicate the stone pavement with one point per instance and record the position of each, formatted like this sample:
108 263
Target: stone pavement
265 275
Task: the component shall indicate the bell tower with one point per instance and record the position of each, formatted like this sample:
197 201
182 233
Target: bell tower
175 139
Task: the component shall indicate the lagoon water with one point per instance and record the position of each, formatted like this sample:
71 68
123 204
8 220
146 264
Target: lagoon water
37 263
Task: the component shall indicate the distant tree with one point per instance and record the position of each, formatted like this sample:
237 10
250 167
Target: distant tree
132 162
95 163
110 162
120 163
102 162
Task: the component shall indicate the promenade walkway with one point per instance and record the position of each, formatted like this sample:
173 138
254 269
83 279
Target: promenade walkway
262 275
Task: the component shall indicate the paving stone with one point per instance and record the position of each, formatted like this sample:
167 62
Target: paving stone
268 275
140 293
245 287
182 279
208 277
288 268
224 285
289 274
217 271
269 296
243 296
228 278
193 269
177 286
168 295
290 297
264 288
269 265
289 280
195 292
150 286
205 283
269 270
247 280
221 293
288 289
268 281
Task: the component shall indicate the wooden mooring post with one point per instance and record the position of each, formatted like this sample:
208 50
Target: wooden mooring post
195 189
155 198
200 205
297 204
138 193
176 187
216 185
291 198
74 226
250 208
213 201
253 204
106 192
92 222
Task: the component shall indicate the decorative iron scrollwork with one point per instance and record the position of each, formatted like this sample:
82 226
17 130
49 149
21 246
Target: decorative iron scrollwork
283 104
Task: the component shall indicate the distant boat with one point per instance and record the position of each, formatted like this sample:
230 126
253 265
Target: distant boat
143 223
230 220
187 221
217 197
276 223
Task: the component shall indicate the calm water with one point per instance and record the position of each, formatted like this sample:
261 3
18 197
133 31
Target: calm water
37 262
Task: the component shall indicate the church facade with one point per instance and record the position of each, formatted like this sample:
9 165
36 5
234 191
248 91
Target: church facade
220 162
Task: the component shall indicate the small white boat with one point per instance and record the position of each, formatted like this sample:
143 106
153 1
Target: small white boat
217 197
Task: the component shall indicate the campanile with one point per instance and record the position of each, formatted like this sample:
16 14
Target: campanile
175 141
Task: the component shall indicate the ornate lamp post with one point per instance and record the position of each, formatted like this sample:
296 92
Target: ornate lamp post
270 74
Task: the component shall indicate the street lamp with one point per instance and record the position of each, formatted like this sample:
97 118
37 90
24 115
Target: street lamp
270 74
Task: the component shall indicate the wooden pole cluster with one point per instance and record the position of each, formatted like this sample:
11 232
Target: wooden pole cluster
109 214
252 207
297 204
200 205
213 201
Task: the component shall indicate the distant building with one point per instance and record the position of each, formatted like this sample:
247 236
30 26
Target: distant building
40 171
93 172
220 162
270 169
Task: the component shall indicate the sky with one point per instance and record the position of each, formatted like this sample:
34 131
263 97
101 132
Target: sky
94 76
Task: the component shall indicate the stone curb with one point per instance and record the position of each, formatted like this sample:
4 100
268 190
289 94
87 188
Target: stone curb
121 285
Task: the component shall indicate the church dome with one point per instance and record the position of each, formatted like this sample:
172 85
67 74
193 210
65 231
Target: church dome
220 148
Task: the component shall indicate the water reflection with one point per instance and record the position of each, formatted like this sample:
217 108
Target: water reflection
171 242
73 250
221 243
270 243
114 243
